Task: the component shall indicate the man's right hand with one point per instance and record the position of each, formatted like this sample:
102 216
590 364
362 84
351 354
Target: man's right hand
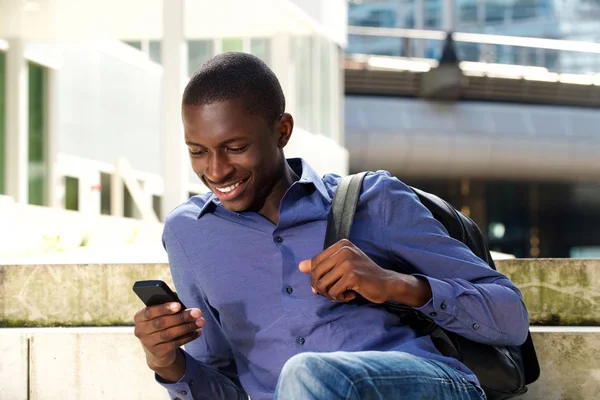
162 330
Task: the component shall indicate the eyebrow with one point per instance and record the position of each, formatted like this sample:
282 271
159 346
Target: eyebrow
223 143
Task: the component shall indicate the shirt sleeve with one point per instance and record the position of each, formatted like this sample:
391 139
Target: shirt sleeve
469 297
210 370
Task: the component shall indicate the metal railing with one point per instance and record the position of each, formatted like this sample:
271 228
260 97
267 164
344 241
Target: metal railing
555 56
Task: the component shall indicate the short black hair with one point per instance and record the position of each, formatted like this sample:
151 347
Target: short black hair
237 75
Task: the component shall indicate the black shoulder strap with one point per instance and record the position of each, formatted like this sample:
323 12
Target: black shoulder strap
339 221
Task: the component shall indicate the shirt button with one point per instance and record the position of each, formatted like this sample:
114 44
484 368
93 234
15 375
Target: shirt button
183 392
279 239
300 340
443 306
433 313
475 326
289 290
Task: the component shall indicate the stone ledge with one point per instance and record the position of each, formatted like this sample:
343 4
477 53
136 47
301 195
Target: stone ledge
556 291
73 295
108 363
562 292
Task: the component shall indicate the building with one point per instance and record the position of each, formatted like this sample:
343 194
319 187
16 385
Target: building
90 93
526 173
570 20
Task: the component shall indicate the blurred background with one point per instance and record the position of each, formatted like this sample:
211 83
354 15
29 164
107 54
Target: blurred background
490 104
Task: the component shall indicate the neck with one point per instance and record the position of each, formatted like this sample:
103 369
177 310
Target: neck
270 208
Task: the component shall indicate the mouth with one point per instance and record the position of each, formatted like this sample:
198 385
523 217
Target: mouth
230 192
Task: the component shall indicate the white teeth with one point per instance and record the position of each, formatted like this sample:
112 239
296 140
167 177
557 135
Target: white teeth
228 188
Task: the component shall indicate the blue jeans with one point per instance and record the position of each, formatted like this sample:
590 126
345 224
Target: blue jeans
371 375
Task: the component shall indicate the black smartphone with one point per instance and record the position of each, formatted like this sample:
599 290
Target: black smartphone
156 292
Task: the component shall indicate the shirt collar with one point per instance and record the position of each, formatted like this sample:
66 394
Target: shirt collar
308 176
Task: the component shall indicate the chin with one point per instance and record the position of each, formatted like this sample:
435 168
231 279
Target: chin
237 205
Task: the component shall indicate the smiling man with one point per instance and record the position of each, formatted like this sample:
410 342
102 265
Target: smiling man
271 313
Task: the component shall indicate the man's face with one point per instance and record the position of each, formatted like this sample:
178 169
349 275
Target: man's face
235 153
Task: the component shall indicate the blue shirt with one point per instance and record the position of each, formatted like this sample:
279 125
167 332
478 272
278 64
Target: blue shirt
242 272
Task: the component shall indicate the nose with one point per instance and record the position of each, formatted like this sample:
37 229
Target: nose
218 168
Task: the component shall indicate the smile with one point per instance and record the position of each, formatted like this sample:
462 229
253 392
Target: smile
229 193
228 189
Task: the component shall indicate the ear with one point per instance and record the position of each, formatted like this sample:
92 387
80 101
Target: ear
285 126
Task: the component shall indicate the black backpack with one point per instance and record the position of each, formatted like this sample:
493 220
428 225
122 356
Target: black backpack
503 371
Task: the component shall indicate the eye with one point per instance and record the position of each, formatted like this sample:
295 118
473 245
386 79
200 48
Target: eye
240 149
197 152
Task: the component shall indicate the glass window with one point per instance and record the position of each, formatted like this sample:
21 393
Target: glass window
467 13
2 121
232 44
199 51
304 80
129 207
136 44
433 14
495 11
326 87
71 193
157 206
261 48
105 193
37 134
154 51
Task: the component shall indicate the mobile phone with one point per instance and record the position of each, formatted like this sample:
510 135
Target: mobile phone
156 292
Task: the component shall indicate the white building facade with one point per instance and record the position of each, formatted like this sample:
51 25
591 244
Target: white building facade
90 93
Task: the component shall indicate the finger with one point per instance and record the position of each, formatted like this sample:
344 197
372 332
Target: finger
148 327
169 321
324 283
305 266
330 251
340 256
319 271
151 312
172 333
341 290
164 348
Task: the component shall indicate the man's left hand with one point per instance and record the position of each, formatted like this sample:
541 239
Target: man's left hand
343 270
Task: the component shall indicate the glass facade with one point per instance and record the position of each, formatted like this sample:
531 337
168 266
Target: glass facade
71 193
316 83
303 55
261 48
528 219
232 44
573 20
2 121
315 61
37 135
199 51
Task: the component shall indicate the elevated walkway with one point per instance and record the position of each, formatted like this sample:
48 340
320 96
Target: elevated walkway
470 112
425 138
94 355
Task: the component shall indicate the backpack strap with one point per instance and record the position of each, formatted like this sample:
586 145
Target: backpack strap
339 220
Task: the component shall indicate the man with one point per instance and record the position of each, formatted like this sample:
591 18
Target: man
271 313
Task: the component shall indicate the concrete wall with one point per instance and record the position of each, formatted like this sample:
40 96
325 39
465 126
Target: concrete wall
108 363
103 362
557 292
75 363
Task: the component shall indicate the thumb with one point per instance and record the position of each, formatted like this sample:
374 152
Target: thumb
305 266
